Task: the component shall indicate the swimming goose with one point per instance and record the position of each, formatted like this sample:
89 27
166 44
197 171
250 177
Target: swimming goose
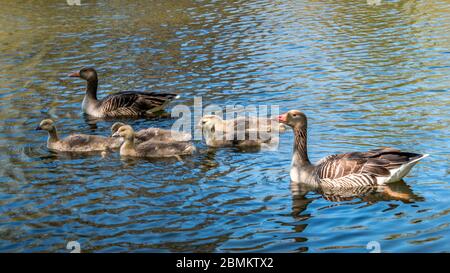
241 131
76 142
154 134
150 148
375 167
122 104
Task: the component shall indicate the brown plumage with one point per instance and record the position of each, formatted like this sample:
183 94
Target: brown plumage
154 134
151 148
76 142
241 132
122 104
375 167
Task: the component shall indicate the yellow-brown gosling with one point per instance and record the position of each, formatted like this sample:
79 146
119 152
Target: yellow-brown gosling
256 132
151 148
154 134
76 142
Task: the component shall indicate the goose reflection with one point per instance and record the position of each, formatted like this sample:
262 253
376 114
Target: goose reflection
398 191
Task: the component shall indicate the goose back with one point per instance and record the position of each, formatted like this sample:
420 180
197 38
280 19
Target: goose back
164 149
133 104
158 134
241 131
85 143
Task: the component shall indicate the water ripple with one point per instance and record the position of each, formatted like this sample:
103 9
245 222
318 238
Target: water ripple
366 76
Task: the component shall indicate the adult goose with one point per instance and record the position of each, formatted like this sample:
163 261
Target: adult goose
241 132
76 142
151 148
154 134
375 167
122 104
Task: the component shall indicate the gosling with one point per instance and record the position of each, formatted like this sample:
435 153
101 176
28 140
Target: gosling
220 133
154 134
151 148
76 142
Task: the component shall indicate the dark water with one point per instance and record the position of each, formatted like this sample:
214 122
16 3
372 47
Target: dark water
366 76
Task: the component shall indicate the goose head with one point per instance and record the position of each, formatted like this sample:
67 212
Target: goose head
86 73
47 125
116 126
294 119
126 132
208 122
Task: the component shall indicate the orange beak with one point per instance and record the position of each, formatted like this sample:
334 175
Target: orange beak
282 118
74 74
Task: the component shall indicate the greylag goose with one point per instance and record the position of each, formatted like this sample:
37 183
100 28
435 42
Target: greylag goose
122 104
154 134
76 142
241 132
375 167
151 148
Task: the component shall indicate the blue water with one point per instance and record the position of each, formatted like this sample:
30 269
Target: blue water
366 76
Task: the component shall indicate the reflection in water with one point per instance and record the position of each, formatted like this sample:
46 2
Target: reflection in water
399 191
367 76
364 196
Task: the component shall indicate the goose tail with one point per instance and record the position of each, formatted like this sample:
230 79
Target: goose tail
399 173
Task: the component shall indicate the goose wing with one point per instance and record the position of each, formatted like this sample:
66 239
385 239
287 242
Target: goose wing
132 103
158 134
77 140
81 142
82 139
376 162
163 149
246 128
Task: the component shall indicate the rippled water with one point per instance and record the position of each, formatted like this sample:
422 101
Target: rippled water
366 76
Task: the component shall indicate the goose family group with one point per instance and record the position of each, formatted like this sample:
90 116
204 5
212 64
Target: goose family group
354 169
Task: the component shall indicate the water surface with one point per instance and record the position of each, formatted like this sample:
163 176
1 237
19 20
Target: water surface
366 76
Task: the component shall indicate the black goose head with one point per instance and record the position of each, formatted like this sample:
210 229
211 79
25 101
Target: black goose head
294 118
87 73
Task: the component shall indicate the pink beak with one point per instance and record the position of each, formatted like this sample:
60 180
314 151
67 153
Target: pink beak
282 118
74 74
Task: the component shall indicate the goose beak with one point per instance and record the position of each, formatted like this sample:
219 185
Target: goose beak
74 74
38 128
116 134
282 118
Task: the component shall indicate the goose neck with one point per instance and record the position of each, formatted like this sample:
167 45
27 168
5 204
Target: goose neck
128 147
300 154
91 89
52 135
